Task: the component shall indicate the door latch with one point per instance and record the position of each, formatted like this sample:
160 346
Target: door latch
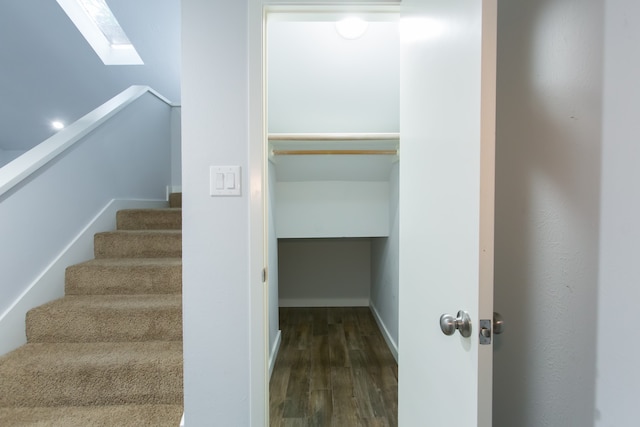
486 329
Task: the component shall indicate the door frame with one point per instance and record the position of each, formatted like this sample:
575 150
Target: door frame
258 170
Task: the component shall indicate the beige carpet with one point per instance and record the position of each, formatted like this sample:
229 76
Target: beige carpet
110 352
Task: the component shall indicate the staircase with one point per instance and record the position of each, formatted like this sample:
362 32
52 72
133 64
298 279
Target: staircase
109 353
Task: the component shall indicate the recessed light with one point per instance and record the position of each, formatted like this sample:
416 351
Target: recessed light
352 28
57 125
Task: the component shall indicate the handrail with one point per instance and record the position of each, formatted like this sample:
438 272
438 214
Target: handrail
22 167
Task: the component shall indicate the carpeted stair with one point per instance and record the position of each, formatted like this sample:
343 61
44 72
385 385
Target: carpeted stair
110 352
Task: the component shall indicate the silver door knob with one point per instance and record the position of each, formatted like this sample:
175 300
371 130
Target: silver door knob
462 323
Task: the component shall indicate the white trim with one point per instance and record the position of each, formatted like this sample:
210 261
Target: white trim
393 347
182 420
20 168
323 302
49 285
173 189
274 352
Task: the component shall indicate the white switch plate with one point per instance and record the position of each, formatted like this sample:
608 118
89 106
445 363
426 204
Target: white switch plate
224 181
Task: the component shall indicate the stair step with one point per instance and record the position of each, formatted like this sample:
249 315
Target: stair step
82 374
83 416
138 244
175 200
125 276
149 219
107 318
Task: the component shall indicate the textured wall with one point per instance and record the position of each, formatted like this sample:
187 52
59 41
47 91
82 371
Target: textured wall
547 211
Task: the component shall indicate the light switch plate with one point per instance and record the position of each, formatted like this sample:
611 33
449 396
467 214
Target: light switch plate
224 181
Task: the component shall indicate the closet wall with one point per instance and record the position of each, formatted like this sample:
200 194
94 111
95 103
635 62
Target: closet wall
333 218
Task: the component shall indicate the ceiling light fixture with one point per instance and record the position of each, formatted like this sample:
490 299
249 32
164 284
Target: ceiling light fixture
57 125
352 28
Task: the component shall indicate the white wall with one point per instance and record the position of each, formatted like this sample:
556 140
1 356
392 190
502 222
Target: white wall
618 379
332 209
547 211
324 272
273 274
346 86
216 254
384 269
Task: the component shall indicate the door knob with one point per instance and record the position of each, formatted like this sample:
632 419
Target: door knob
462 323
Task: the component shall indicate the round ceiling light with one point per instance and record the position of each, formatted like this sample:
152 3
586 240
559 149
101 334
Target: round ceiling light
352 28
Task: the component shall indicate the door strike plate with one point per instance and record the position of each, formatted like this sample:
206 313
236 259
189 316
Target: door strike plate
485 331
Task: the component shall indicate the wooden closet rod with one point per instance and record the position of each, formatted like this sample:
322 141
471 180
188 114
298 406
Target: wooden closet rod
330 152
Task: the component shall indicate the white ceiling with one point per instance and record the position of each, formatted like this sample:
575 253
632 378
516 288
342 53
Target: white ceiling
48 71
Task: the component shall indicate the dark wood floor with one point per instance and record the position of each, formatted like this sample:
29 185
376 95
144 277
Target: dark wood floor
333 369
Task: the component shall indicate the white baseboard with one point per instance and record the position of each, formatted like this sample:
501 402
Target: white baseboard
173 189
274 352
323 302
393 346
49 285
182 420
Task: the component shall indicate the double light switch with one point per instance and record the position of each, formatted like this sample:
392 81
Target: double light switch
224 181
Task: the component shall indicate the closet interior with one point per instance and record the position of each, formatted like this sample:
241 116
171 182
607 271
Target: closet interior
333 169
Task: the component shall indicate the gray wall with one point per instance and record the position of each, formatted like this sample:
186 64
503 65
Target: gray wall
324 272
547 211
7 155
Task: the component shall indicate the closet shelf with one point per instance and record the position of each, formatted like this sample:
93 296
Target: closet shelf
333 152
352 144
359 136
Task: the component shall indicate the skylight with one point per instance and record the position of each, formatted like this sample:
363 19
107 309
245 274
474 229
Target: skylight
101 29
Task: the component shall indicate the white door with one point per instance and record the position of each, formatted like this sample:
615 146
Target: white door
447 125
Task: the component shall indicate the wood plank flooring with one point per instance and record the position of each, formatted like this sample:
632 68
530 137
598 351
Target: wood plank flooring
334 369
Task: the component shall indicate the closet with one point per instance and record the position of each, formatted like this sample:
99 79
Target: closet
333 149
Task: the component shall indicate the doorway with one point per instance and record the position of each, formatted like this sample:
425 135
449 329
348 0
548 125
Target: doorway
333 122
